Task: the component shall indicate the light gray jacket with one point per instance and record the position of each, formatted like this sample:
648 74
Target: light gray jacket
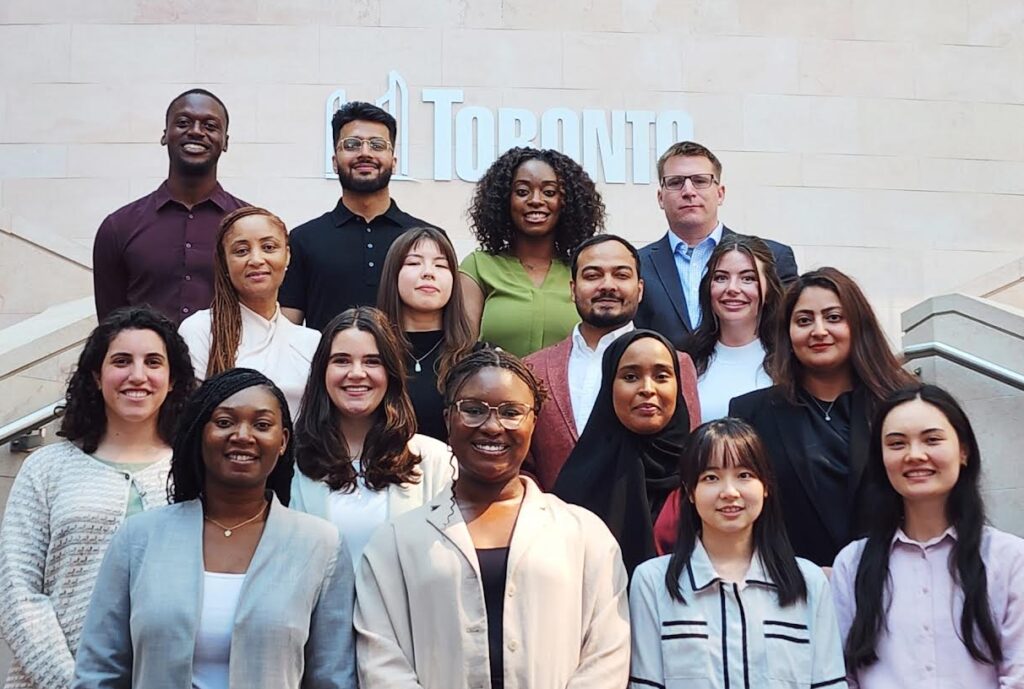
293 625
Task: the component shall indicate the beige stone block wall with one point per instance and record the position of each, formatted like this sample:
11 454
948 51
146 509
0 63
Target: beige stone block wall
879 137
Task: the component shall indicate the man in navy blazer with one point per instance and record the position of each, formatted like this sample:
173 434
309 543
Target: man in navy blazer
690 192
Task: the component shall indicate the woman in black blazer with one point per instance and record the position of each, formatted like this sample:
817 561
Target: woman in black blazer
831 365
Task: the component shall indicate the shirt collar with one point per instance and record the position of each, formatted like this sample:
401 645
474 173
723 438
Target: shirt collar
254 317
580 344
342 214
217 197
901 537
702 573
715 237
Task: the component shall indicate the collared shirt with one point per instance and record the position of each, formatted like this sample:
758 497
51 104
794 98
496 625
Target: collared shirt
585 372
336 261
691 262
919 646
278 348
731 635
156 251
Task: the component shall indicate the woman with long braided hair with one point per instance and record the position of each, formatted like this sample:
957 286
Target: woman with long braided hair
493 582
244 325
226 588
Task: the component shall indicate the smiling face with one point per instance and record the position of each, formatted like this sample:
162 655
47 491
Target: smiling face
819 331
921 451
356 378
645 389
256 253
425 278
607 287
536 198
243 440
689 210
491 453
196 133
364 171
736 289
728 498
135 376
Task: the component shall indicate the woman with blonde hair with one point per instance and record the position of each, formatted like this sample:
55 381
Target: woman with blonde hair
244 325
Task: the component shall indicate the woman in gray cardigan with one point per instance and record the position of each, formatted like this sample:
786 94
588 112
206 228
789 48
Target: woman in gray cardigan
226 588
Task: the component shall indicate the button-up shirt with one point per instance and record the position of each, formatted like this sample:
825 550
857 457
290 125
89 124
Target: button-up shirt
919 645
691 262
157 251
336 261
730 635
585 372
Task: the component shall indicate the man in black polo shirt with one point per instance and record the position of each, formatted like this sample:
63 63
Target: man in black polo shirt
336 259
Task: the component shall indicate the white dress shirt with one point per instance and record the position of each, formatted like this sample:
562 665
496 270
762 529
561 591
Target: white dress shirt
585 372
278 348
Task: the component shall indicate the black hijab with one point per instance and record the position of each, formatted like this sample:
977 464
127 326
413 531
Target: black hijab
621 476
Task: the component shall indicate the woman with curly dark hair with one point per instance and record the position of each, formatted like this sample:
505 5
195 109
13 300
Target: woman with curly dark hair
361 462
530 210
123 401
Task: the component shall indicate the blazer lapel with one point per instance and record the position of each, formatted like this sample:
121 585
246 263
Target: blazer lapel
860 412
534 518
557 373
445 516
668 274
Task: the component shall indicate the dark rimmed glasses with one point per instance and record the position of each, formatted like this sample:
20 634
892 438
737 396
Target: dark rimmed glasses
474 413
677 182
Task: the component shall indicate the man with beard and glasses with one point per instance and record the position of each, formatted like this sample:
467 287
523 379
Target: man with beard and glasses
606 288
159 250
337 258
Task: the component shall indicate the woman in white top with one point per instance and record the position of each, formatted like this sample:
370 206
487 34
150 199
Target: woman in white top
731 606
226 588
244 325
123 400
738 297
360 459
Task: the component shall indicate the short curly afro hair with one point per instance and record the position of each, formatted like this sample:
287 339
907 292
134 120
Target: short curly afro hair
582 215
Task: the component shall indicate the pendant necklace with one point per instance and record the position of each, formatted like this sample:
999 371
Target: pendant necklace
430 351
826 412
228 530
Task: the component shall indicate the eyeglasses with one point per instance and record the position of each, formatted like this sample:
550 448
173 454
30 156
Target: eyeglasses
351 144
677 182
475 413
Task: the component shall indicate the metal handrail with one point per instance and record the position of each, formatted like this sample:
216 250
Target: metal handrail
29 422
958 356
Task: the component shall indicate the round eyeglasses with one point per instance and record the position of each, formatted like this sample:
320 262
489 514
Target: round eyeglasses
474 413
351 144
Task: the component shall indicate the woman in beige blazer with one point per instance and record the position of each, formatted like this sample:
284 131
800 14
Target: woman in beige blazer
361 462
493 583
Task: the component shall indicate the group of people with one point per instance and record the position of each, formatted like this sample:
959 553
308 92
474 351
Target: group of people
563 463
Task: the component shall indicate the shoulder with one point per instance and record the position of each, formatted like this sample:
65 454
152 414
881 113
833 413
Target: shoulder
647 249
756 399
651 571
429 449
196 325
543 356
848 558
311 227
812 574
1005 547
306 340
410 221
472 263
587 525
232 202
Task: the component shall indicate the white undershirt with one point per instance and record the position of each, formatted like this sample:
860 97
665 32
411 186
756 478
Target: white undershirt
733 371
213 638
357 514
585 373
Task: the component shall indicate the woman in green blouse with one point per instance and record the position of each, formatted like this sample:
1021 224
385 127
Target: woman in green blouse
530 210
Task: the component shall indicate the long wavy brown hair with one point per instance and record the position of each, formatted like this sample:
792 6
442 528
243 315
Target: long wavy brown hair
457 339
872 361
225 312
322 453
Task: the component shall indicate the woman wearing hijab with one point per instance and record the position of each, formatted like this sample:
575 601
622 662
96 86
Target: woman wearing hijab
626 462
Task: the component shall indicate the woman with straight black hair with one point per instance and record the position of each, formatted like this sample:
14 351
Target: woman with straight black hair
932 595
226 588
732 605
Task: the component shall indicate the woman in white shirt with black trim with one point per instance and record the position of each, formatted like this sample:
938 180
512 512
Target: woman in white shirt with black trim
244 326
732 606
739 294
361 462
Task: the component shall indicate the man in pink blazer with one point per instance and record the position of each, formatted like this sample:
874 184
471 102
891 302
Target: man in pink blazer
607 288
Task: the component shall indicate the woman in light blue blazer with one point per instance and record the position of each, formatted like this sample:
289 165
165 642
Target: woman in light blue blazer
226 588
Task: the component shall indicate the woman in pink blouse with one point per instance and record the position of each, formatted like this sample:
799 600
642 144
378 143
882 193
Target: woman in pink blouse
933 597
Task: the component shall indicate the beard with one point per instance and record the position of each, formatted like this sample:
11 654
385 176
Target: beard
363 186
187 168
607 319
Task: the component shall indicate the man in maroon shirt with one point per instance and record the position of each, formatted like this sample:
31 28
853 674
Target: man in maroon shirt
159 250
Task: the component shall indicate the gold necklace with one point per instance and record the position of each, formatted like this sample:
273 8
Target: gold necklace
228 530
